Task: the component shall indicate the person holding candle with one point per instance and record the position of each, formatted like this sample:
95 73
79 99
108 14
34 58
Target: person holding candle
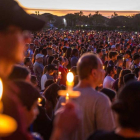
63 71
48 74
12 44
91 102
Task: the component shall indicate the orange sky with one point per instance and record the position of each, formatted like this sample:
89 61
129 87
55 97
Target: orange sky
64 12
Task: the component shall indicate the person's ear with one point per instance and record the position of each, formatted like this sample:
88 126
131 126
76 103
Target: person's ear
94 72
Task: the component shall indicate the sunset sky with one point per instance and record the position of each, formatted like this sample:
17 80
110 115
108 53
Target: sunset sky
62 7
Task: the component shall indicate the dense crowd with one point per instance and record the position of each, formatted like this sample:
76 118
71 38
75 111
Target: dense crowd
34 66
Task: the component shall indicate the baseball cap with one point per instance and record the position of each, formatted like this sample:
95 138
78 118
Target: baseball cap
12 14
113 47
51 67
39 56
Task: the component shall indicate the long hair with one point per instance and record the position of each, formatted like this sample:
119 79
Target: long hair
35 53
122 74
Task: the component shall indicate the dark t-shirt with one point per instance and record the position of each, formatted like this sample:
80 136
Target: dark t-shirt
102 135
43 125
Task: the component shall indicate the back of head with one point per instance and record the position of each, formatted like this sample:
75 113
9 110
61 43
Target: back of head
49 51
99 50
127 106
74 51
51 93
56 62
112 54
33 79
26 60
19 73
119 57
136 56
109 69
129 77
86 63
48 83
27 93
128 52
110 93
50 59
122 74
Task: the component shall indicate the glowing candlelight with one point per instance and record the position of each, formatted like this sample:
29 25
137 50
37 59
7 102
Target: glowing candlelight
67 97
69 93
1 89
7 124
70 79
59 75
104 67
39 101
5 129
123 58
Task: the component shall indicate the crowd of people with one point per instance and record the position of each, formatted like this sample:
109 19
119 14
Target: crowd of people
34 67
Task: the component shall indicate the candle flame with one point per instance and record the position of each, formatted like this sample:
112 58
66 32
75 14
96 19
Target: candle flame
39 100
70 77
67 95
1 89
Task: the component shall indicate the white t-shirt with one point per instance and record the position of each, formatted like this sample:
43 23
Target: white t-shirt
108 82
43 80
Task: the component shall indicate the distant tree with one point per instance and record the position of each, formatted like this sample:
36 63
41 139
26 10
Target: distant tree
114 15
81 13
89 15
97 13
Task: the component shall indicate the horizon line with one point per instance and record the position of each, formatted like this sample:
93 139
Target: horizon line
25 8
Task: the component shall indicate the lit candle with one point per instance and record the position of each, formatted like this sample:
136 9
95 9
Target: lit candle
69 93
59 73
104 67
39 101
123 58
7 124
70 82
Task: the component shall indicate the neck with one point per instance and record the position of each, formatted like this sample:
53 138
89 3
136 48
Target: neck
111 75
86 83
127 132
5 68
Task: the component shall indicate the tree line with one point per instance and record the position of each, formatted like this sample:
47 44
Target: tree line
80 21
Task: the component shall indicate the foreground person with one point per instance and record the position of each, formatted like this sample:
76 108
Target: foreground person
128 114
12 43
94 106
